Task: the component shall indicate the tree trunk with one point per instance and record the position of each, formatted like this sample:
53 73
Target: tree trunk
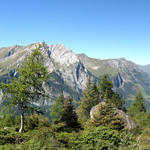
22 121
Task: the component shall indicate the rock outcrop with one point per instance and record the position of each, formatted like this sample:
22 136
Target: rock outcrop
118 81
129 123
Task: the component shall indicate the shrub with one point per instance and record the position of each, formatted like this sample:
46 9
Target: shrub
35 121
98 138
10 137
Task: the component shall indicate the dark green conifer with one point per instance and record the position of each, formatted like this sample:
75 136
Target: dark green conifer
104 85
90 99
69 116
107 116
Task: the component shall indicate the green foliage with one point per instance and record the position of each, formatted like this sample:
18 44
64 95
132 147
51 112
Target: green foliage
138 105
142 119
52 138
69 116
104 85
106 115
27 88
57 109
43 139
144 138
99 138
35 121
117 100
8 120
10 137
90 99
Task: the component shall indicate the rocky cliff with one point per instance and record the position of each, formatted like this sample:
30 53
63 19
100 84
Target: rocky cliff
69 71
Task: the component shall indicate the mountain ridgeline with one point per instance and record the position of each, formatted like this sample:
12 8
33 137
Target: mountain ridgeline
68 72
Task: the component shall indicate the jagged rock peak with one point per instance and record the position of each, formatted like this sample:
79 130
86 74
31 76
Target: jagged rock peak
63 55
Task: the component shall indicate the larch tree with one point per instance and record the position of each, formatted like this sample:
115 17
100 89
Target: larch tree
27 88
138 105
57 109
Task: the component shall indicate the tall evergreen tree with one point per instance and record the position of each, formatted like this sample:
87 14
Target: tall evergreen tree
90 99
138 105
27 88
106 92
57 109
104 85
69 116
117 100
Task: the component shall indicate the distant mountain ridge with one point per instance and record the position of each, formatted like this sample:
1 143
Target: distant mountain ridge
69 71
145 68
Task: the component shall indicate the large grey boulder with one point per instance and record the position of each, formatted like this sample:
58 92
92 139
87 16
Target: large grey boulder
129 123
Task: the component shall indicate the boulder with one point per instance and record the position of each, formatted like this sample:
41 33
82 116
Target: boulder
129 123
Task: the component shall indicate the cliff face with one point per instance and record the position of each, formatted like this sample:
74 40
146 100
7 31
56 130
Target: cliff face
118 81
128 78
69 72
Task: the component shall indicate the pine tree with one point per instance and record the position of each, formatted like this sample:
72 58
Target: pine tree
69 116
117 100
104 85
138 105
21 92
106 116
90 99
57 109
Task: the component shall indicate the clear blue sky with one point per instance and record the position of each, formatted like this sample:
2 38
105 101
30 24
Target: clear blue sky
99 28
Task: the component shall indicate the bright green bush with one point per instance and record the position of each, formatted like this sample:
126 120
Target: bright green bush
43 139
8 120
35 121
99 138
52 138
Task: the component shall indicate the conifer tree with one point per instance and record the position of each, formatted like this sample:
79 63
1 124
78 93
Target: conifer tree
90 99
106 92
117 100
104 85
106 115
138 105
57 109
21 92
69 116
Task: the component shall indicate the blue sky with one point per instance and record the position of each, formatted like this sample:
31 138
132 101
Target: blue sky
98 28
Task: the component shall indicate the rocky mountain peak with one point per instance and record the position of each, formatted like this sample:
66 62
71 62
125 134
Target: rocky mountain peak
62 55
70 71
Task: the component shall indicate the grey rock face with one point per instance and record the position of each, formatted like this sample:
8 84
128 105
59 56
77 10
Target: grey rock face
69 72
118 81
129 123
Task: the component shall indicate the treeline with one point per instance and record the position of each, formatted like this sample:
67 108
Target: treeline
24 126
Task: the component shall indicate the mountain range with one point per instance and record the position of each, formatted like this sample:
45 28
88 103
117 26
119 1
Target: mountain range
69 71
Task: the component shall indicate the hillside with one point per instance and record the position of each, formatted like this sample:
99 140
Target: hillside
69 71
145 68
